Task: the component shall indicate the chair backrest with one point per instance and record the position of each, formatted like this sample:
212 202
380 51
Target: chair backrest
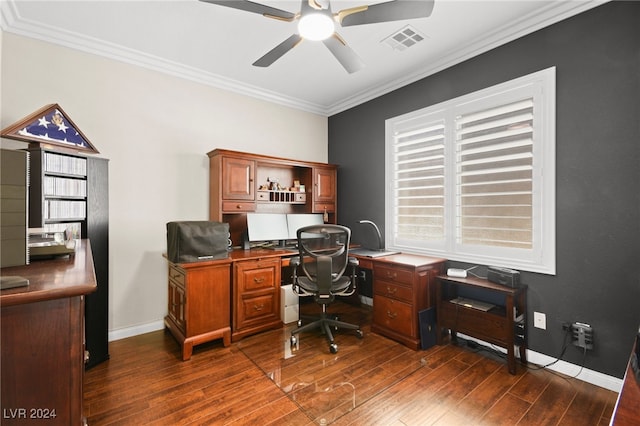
324 255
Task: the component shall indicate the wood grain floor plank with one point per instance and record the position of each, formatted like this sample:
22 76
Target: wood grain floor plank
549 408
507 411
260 380
486 394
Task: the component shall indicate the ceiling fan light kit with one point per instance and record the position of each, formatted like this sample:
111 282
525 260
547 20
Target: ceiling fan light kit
318 23
316 26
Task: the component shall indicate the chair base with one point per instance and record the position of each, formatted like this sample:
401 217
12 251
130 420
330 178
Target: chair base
325 322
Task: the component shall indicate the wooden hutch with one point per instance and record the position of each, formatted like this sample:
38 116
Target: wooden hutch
240 183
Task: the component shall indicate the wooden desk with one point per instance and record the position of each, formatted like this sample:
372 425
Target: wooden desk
504 325
43 340
243 296
226 299
627 411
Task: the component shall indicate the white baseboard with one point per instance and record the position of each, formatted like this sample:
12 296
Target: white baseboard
123 333
563 367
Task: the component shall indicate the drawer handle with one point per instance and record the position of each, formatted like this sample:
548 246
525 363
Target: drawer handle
391 291
258 307
258 280
390 275
176 276
392 315
239 206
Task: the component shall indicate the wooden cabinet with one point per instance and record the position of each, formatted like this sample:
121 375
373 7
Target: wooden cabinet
232 185
71 191
256 296
242 182
325 191
42 340
504 324
199 303
403 285
239 175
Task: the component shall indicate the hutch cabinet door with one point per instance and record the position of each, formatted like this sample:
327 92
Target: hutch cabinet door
324 185
238 179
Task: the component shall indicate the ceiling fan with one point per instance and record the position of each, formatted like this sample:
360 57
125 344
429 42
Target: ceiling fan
317 22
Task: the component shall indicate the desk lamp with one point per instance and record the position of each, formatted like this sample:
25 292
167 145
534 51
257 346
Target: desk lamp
380 247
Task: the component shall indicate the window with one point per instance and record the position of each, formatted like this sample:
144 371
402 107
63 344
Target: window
473 178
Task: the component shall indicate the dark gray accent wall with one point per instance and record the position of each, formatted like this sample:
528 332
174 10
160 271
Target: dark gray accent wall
597 60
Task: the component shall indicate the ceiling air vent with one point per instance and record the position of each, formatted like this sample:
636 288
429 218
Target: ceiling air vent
404 38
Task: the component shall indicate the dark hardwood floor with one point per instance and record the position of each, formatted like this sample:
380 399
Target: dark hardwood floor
260 380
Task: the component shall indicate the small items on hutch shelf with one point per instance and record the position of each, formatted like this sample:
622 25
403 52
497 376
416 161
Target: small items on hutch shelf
273 191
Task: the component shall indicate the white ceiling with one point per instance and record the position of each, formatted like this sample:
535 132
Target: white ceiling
216 45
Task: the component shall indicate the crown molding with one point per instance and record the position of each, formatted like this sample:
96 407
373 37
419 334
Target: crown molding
553 12
13 23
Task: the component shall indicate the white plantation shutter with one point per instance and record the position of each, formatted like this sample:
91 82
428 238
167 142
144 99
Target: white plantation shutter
418 180
473 179
494 167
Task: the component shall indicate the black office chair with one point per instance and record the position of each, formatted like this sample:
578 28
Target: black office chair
319 272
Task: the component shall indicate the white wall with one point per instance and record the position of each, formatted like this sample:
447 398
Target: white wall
156 130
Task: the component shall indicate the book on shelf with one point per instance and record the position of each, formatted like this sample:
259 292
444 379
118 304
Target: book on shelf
56 163
54 186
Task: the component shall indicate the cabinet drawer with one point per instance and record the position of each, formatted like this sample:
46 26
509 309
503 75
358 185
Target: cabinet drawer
177 276
394 291
238 206
324 207
483 325
394 315
257 275
257 308
257 279
394 274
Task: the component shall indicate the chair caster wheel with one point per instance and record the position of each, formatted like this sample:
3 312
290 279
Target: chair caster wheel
293 340
360 334
333 348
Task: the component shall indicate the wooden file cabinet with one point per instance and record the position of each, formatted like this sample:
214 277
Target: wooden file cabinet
504 325
199 303
403 285
256 296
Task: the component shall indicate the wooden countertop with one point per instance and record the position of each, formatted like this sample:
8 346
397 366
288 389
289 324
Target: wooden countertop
55 278
238 255
263 253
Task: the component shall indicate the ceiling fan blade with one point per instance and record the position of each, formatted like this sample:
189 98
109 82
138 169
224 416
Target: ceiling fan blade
343 53
249 6
275 53
383 12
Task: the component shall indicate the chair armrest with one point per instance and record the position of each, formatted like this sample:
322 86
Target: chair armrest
353 261
295 261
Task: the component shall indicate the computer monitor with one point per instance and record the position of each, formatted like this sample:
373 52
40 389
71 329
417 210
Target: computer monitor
296 221
267 227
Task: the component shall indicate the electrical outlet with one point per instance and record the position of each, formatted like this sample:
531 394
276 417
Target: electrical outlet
540 320
582 335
